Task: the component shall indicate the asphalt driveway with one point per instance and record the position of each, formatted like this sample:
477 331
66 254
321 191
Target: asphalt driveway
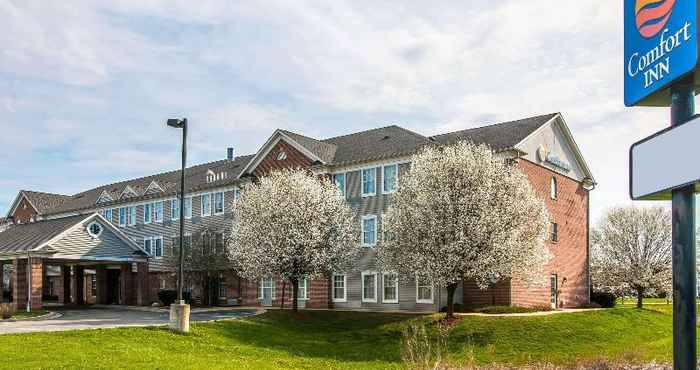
103 318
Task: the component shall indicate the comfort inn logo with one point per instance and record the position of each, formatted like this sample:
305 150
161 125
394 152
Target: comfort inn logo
652 16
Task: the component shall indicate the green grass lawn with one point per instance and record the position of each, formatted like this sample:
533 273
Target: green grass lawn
321 339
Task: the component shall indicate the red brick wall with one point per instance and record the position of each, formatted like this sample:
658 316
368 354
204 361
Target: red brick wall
24 211
295 159
570 252
19 281
476 297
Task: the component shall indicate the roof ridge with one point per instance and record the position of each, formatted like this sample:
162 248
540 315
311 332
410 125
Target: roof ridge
360 132
44 193
241 157
497 124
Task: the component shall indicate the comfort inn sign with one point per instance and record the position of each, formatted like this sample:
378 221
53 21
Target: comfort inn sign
661 45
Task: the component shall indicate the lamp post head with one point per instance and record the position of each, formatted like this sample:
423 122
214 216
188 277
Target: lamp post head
177 122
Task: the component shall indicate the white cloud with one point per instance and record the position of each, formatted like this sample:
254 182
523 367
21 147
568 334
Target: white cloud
94 80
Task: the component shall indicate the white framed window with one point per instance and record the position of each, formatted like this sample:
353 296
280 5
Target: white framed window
303 293
94 229
188 207
390 291
389 178
424 291
369 230
148 245
267 283
553 190
107 214
147 213
158 211
236 194
369 182
339 181
369 286
122 216
553 232
219 203
154 246
206 205
175 209
222 288
340 281
131 215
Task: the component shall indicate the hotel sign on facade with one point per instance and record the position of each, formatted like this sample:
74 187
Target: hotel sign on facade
660 47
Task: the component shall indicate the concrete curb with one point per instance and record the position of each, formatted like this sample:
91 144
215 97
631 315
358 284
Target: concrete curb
530 314
167 309
48 316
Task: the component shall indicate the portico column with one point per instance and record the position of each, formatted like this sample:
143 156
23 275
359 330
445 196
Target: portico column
37 282
2 281
67 288
127 294
78 283
101 276
142 295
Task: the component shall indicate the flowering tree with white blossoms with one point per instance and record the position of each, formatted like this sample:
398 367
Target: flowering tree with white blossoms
294 225
464 212
632 251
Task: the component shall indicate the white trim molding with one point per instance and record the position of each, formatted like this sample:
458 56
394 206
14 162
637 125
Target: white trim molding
362 285
384 286
432 293
345 288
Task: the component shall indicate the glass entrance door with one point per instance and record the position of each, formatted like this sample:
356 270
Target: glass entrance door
266 291
553 291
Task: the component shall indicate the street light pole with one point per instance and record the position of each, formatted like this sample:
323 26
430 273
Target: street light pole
179 313
180 278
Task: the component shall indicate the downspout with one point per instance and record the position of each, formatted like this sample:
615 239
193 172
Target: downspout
29 282
588 242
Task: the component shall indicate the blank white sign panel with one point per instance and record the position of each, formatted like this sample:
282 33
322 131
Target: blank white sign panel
665 161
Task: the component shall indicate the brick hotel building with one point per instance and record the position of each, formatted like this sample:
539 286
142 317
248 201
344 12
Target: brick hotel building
107 245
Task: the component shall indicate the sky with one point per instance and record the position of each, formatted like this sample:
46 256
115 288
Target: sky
86 86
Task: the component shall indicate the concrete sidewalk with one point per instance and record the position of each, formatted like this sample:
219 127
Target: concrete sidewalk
104 318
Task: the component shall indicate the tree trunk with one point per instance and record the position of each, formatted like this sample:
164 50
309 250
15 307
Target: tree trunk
640 297
450 300
295 294
284 286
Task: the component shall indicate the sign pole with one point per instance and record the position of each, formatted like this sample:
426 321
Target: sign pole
683 249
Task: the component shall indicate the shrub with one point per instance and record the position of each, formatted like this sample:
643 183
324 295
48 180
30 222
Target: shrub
589 305
420 349
6 310
494 310
604 299
458 308
168 297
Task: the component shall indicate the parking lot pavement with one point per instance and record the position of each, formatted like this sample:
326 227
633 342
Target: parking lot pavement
102 318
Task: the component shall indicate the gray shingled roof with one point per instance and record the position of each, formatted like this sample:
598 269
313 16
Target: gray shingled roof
376 144
325 151
45 201
499 136
170 182
25 237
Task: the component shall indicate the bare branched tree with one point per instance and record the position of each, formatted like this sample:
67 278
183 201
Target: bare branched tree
463 212
632 251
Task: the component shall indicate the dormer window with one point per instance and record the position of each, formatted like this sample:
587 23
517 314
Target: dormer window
154 187
128 192
104 197
213 176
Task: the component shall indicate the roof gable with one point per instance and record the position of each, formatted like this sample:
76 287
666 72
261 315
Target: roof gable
128 192
498 136
282 142
154 188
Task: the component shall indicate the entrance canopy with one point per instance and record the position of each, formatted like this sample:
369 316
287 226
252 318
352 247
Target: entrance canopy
79 238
